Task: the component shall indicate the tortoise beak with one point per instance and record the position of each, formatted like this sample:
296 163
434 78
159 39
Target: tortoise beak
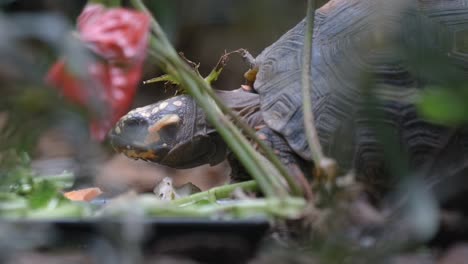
128 137
128 131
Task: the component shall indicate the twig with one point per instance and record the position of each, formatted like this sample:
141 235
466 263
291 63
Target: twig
194 65
321 162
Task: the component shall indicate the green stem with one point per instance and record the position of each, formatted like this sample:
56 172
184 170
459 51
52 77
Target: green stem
262 146
107 3
216 193
155 27
324 164
290 207
259 160
311 132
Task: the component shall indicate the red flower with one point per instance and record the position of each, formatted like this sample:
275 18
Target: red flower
120 37
115 34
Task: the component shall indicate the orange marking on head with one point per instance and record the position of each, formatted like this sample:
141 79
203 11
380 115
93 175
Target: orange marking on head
153 135
149 155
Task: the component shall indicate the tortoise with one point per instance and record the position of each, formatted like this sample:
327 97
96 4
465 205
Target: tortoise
363 51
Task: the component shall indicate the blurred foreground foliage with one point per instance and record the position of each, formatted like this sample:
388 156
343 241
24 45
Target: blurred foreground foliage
446 106
23 193
26 112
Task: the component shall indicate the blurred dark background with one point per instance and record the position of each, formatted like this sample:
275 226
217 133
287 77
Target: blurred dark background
204 30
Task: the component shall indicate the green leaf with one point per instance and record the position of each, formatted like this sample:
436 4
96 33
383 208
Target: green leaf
444 106
107 3
63 210
43 193
163 78
61 181
214 74
12 205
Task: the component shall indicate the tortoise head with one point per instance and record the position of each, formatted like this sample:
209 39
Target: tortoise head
173 132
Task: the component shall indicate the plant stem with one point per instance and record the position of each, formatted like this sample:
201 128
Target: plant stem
290 207
262 146
249 154
216 193
107 3
311 132
234 139
155 27
274 177
324 164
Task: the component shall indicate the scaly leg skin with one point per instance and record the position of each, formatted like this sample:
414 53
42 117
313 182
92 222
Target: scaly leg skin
296 166
280 147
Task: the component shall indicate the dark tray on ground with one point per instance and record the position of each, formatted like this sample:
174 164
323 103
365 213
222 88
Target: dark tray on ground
207 241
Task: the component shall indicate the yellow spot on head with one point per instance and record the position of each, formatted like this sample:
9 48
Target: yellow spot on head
163 105
177 103
117 130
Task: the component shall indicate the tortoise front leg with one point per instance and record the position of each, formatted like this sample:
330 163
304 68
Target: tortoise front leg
294 163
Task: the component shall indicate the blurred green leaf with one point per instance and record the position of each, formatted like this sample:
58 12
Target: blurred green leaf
163 78
445 106
22 191
43 193
65 209
108 3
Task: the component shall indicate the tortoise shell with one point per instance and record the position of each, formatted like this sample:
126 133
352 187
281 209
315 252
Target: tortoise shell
363 47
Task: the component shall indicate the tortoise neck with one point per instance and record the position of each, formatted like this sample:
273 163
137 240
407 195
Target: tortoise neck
245 104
